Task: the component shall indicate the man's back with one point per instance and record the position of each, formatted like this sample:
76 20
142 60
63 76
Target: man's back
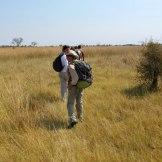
64 62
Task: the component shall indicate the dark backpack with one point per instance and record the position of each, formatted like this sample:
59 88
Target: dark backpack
84 72
57 63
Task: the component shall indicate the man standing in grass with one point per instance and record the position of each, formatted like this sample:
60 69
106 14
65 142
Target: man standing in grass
63 73
74 93
80 52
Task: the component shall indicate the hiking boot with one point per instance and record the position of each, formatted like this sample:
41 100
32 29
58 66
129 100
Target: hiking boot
72 124
80 120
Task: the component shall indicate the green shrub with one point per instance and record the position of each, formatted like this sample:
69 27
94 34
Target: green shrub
150 66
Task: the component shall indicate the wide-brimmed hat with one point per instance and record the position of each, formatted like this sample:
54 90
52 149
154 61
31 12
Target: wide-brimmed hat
72 53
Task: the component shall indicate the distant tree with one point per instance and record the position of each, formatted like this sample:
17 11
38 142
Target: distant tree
150 66
33 44
17 41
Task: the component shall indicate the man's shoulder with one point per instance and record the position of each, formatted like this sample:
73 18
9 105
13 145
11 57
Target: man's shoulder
71 66
62 54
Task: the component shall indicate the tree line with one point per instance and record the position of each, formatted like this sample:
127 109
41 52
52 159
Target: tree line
18 42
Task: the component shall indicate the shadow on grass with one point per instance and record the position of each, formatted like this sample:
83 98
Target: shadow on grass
137 91
52 123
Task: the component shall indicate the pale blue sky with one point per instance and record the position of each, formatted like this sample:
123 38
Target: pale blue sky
80 21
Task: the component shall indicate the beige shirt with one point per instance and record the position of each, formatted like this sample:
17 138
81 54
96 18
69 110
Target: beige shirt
73 76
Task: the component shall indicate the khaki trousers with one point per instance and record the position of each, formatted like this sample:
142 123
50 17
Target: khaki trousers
63 85
75 95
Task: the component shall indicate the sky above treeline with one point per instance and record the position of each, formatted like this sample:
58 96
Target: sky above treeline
54 22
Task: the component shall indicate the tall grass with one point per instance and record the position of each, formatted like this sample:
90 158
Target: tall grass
121 123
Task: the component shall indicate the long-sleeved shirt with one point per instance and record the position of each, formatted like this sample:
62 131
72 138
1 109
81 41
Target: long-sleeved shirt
64 63
73 76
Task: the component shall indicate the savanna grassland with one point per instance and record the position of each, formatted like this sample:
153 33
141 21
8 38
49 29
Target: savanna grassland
122 122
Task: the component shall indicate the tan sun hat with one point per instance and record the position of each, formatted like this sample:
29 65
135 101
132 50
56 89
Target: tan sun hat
72 53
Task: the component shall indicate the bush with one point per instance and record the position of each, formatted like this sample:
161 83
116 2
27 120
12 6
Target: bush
150 66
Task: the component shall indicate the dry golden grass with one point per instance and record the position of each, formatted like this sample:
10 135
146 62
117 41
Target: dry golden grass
122 123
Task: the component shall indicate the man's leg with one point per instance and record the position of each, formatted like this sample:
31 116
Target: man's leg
63 86
72 92
79 104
